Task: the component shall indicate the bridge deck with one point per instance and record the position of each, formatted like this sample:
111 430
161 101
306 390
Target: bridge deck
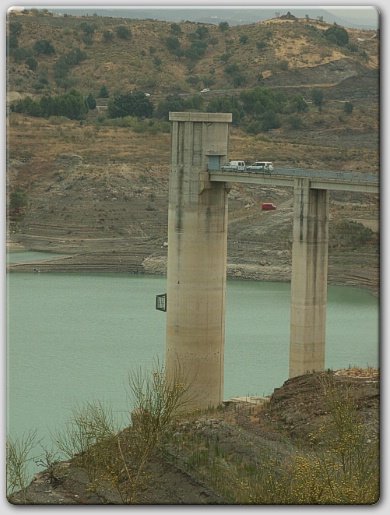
322 180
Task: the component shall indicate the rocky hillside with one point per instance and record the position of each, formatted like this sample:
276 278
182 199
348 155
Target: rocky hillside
96 190
154 56
314 441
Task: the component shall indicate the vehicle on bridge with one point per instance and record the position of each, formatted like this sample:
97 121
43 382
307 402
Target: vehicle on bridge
234 166
260 166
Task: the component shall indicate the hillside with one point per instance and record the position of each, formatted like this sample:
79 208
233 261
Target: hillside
122 63
315 440
97 189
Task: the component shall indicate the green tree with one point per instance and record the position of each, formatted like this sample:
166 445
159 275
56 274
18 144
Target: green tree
299 104
270 120
27 106
196 50
173 45
171 103
103 92
317 96
244 39
130 104
337 35
227 104
91 101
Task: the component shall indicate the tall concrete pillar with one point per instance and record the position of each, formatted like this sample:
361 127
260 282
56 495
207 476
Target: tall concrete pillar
197 248
309 278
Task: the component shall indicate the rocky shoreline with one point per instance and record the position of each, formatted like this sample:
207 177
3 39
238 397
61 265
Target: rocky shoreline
157 265
246 427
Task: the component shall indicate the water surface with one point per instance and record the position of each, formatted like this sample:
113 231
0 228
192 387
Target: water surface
74 338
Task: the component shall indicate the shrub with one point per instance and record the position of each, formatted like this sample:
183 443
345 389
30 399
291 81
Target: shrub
295 122
196 50
103 92
202 32
12 43
15 28
18 452
87 38
244 39
193 80
173 44
238 79
348 233
21 54
231 69
18 200
348 107
157 61
337 35
87 28
175 29
123 32
261 44
283 65
108 36
32 63
223 26
298 104
43 46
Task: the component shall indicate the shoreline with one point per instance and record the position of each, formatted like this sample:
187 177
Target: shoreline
241 272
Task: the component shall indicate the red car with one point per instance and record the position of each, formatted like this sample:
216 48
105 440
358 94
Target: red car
268 206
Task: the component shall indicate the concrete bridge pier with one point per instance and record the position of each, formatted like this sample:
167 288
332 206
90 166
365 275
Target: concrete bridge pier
197 254
308 278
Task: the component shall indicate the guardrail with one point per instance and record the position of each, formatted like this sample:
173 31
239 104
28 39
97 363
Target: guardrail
319 179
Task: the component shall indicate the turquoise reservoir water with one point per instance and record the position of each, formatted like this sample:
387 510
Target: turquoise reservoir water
74 338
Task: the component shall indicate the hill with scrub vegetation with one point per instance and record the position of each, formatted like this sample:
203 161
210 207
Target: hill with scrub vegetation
313 441
83 92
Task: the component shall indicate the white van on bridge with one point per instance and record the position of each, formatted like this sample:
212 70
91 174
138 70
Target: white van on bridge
234 166
260 166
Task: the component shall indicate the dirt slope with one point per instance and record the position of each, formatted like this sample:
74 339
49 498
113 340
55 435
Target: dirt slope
245 429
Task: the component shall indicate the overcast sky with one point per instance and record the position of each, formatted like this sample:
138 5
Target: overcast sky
360 15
